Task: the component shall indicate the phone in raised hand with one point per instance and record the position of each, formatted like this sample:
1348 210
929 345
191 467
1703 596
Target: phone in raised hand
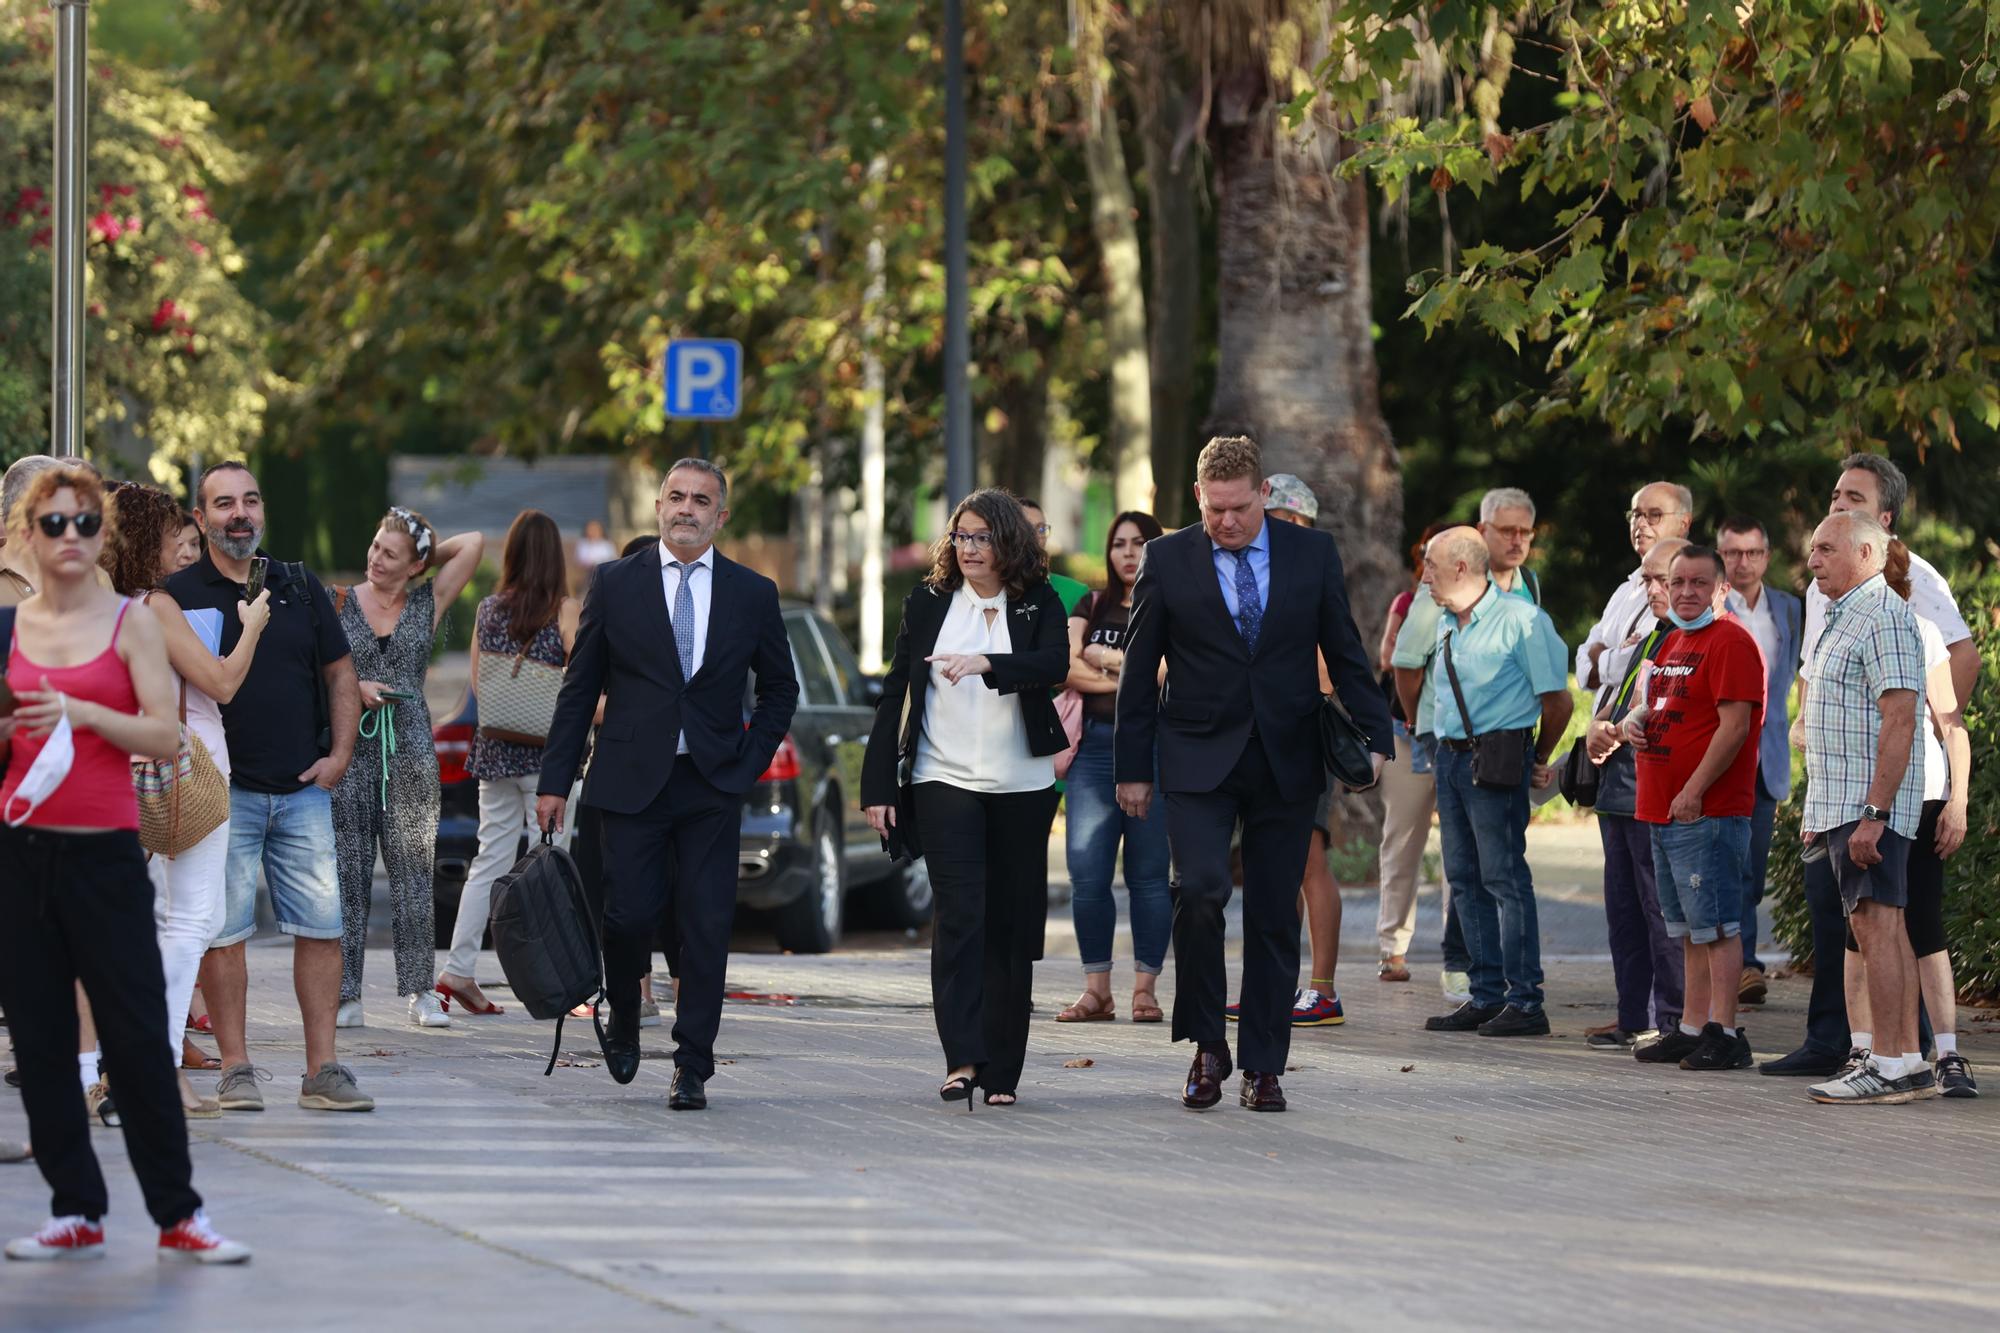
260 569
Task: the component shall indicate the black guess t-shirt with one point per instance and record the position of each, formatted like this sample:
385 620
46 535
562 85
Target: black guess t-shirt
273 722
1107 630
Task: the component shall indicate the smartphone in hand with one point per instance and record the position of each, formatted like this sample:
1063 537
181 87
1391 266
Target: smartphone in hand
260 569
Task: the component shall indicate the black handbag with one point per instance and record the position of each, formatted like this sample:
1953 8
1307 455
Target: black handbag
1499 758
1579 776
1344 746
901 841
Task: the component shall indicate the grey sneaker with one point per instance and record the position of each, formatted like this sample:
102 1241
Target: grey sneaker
332 1089
237 1090
649 1013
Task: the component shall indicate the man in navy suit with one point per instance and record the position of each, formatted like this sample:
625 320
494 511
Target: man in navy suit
1238 609
1776 619
669 637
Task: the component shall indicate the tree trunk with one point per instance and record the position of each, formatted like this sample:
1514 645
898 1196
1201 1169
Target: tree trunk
1174 306
1112 219
1017 448
1296 364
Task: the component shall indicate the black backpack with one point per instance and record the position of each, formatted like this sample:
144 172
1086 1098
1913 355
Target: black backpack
547 938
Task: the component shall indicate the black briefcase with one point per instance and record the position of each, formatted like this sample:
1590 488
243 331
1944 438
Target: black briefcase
1344 746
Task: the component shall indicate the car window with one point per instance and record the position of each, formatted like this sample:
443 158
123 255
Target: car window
846 670
815 681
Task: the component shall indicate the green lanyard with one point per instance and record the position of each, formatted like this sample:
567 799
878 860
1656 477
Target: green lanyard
1639 659
380 723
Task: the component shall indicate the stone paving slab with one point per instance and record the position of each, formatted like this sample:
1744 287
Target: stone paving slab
1420 1180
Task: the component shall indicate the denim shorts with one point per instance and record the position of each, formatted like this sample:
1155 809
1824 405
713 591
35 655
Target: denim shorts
1702 871
290 838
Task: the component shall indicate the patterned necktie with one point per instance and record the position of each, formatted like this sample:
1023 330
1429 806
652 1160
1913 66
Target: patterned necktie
1249 609
684 615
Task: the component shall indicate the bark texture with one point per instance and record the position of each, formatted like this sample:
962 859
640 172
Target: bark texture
1173 190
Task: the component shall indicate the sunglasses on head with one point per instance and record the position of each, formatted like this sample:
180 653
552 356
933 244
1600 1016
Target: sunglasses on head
88 524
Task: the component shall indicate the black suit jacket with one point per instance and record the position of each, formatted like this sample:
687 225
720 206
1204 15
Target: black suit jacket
625 651
1039 663
1216 687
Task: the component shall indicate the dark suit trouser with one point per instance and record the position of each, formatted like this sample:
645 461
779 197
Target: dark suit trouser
988 854
675 859
1277 836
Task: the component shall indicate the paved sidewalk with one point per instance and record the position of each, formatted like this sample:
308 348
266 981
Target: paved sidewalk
1420 1180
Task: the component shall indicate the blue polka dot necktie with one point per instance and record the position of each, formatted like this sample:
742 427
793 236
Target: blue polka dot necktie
1249 609
684 616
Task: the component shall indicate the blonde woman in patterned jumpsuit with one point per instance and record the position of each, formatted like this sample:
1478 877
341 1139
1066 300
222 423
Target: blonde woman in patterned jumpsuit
389 796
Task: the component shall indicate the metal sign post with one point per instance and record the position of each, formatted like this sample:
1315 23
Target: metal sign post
72 143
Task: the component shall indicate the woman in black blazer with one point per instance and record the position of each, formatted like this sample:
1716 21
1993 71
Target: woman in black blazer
965 743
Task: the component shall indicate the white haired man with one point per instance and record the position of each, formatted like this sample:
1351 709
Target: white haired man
1507 522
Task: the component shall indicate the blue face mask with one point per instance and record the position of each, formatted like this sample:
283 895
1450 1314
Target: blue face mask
1702 621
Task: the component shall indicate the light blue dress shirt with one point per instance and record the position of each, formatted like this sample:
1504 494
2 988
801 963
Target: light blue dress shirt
1507 658
1260 567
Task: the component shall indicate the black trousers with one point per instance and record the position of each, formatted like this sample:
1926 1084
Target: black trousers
674 860
1277 836
988 854
586 848
78 907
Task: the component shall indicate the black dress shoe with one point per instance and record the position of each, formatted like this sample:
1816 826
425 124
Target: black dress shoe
689 1092
1261 1092
1466 1018
1805 1062
1513 1022
1204 1080
621 1044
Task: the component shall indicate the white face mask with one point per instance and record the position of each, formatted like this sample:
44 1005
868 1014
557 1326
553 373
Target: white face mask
51 766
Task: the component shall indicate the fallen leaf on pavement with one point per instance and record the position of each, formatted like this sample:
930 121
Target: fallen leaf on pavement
1408 1068
1084 1063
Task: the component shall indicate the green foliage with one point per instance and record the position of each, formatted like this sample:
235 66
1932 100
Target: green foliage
1771 230
1972 876
174 351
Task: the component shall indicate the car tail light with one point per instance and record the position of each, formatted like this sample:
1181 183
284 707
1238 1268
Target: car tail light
784 764
454 750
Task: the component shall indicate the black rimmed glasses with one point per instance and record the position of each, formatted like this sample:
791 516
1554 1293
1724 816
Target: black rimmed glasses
977 541
88 524
1652 517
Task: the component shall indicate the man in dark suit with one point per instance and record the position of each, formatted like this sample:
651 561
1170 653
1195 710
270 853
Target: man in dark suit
669 637
1237 607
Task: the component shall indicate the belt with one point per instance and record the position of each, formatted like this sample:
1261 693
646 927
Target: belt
1461 747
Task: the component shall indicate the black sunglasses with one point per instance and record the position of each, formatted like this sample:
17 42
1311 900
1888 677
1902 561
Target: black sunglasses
88 524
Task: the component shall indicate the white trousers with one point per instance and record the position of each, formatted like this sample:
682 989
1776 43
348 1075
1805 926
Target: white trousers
188 902
506 809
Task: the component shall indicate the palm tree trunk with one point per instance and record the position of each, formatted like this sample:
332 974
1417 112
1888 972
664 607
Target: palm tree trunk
1174 304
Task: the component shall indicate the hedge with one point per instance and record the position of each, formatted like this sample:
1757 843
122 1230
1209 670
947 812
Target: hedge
1972 877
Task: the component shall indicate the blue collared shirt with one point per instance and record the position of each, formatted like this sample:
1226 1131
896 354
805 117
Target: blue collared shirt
1507 658
1260 566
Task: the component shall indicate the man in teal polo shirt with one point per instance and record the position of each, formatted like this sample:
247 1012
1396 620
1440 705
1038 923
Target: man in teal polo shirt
1500 669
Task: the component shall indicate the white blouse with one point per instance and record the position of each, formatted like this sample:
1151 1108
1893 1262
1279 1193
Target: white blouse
974 736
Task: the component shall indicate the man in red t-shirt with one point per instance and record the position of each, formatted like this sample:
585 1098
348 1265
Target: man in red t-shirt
1697 770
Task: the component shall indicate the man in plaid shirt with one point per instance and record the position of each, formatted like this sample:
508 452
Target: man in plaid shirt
1865 789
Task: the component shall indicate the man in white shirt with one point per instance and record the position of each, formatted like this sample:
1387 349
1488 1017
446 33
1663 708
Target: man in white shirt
1874 485
1659 509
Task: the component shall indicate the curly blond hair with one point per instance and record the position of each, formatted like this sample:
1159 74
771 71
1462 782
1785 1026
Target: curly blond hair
1227 457
90 494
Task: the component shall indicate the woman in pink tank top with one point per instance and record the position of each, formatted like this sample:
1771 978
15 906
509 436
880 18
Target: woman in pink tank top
90 688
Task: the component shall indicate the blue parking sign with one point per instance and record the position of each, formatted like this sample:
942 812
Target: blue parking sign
704 379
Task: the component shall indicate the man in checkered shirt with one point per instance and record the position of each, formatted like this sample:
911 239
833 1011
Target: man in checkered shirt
1864 793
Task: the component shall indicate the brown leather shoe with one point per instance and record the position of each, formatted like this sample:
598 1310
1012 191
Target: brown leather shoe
1752 988
1261 1092
1204 1080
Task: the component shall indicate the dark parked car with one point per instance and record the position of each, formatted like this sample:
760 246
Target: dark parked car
807 853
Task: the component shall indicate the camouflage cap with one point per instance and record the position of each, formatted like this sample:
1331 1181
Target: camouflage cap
1288 492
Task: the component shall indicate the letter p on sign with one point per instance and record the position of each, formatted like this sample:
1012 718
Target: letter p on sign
704 379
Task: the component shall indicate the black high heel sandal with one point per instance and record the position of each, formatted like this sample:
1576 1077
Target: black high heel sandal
1013 1097
959 1089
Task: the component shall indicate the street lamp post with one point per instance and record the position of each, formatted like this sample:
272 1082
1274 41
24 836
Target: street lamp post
72 140
958 463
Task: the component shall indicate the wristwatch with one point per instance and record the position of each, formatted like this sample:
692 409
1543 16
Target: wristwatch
1874 812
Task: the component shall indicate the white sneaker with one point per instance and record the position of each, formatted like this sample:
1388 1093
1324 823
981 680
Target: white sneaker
426 1012
194 1241
1457 987
60 1239
649 1013
349 1015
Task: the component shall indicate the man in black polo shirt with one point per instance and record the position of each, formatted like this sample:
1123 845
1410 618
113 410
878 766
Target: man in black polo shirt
288 746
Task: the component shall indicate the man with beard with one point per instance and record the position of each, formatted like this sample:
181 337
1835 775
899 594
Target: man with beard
291 730
670 638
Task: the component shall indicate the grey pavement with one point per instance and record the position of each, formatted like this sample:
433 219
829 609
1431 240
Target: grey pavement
1419 1180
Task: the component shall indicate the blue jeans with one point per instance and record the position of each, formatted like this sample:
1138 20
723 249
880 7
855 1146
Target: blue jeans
1698 870
1761 818
1486 862
290 838
1095 827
